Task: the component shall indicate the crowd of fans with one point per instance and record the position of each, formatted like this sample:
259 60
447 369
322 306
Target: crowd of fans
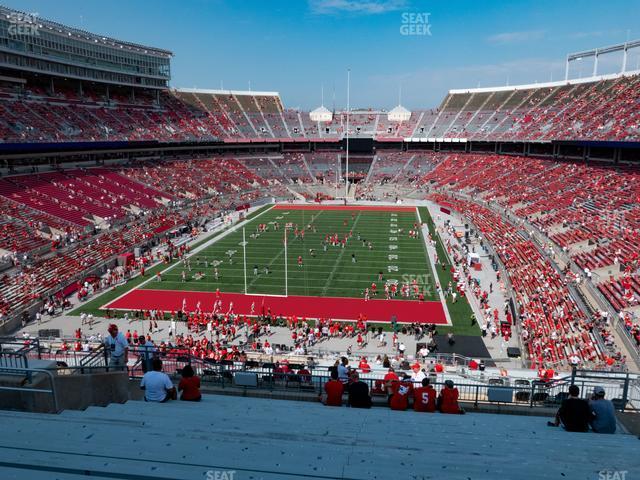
553 328
598 110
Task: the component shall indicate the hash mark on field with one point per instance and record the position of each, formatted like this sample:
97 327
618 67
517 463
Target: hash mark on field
335 265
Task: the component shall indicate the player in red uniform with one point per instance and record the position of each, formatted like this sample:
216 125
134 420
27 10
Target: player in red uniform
300 261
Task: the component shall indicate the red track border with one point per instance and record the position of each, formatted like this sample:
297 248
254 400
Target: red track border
335 308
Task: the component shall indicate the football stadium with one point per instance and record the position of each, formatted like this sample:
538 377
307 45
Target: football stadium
372 267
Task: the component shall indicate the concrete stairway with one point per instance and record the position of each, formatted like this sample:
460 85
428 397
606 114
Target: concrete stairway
268 439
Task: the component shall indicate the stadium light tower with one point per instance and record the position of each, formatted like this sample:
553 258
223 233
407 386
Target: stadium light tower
346 177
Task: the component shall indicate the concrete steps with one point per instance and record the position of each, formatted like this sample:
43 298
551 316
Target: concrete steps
269 439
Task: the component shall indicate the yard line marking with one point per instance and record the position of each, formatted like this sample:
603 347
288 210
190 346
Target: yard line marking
335 265
257 277
203 246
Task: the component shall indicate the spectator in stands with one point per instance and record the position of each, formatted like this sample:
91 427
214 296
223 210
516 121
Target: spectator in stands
189 385
157 385
333 391
574 413
424 397
400 393
358 392
603 413
147 351
448 399
117 345
343 370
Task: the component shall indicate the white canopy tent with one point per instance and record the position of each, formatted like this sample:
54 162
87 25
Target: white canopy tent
321 114
399 114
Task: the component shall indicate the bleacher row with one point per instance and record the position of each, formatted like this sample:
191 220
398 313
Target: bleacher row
47 209
577 205
605 109
554 328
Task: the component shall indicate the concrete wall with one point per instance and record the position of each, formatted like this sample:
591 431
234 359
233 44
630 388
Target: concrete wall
74 392
77 392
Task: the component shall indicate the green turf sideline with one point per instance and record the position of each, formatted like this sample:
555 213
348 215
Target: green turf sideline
460 311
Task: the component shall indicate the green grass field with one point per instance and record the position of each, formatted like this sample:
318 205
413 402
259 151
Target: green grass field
329 273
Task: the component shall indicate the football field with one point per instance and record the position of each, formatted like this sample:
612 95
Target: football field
378 242
322 273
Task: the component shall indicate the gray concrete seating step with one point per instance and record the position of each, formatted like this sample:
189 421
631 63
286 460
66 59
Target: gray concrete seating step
261 438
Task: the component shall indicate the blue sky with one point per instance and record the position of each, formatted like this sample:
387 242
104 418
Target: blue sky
295 47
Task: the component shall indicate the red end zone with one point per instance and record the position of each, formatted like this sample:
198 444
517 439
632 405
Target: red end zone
379 208
335 308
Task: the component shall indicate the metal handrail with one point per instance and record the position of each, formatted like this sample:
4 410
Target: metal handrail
29 372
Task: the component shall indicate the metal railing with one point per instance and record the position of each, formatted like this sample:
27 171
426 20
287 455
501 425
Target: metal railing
622 388
28 373
15 353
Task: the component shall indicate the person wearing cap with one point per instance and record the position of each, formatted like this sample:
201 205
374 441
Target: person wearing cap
603 413
417 373
448 399
117 346
574 413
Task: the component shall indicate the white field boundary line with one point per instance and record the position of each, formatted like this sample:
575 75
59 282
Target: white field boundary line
193 252
431 250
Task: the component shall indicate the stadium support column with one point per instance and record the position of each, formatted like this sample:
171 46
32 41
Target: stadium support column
244 258
346 177
566 70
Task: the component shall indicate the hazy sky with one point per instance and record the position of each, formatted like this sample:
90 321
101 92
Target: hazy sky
295 47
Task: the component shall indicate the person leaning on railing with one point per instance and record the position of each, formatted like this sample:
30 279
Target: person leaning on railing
117 345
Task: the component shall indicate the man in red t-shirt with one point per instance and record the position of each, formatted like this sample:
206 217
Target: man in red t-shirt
400 393
424 397
389 380
448 399
334 389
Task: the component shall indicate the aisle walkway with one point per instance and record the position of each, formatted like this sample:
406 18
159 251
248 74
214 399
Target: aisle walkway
486 275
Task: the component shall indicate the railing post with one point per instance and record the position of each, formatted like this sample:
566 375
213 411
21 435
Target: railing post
475 403
533 392
573 374
625 392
